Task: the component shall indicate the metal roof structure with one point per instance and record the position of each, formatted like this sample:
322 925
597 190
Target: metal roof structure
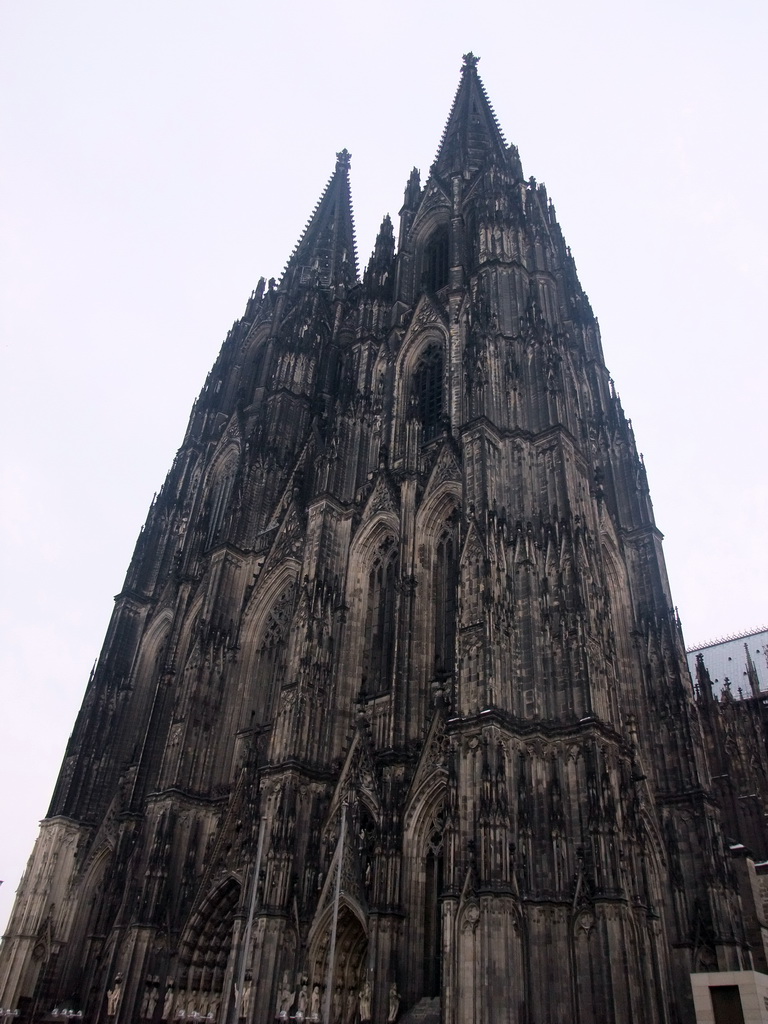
731 661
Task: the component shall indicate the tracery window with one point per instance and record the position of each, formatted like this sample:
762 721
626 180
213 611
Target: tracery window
436 261
271 665
444 590
273 650
379 641
432 908
428 390
221 492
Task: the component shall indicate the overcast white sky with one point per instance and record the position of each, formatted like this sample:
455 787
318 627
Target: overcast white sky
160 155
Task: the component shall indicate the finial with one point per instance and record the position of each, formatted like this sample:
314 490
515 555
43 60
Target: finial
342 160
470 61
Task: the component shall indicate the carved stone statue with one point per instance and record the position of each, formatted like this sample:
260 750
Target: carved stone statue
314 1003
337 1005
285 997
149 1002
245 1002
303 1001
144 1012
168 1000
365 1002
113 996
394 1003
351 1006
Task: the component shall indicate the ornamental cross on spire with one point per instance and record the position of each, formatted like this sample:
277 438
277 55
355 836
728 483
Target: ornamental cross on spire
342 160
470 61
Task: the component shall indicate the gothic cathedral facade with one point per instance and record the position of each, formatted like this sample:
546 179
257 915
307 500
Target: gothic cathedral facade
393 717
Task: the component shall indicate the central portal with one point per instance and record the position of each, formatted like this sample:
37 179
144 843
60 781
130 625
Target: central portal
348 977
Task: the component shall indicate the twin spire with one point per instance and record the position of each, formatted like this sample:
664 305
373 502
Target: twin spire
472 135
326 254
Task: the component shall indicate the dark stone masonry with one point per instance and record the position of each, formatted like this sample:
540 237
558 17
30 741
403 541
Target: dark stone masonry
397 648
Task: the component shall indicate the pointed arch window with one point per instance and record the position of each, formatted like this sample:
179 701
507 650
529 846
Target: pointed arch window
428 390
444 590
433 872
221 492
380 611
436 260
273 655
272 663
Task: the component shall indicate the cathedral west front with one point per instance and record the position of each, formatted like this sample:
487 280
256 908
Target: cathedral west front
393 719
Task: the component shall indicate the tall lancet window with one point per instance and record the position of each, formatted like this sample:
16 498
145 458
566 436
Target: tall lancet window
444 590
380 609
428 390
433 871
272 662
221 492
273 650
437 260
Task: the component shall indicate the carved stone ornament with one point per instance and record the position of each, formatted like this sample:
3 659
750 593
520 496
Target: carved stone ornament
471 916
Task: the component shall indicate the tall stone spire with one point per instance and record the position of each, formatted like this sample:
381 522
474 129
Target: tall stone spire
472 135
326 253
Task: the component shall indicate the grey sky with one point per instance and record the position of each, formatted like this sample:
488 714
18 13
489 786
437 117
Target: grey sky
158 157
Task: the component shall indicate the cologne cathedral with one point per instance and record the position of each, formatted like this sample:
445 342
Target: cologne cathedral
393 719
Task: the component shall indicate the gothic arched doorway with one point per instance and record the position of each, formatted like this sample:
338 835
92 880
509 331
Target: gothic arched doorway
432 912
205 952
350 964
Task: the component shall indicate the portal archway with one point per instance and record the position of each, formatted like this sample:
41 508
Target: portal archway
206 947
350 962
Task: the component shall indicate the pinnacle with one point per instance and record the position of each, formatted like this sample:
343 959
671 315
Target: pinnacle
379 265
412 190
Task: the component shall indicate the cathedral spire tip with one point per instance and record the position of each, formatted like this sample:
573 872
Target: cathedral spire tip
326 253
472 134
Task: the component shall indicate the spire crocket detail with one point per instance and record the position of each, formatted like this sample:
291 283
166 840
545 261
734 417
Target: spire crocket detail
472 135
326 253
393 719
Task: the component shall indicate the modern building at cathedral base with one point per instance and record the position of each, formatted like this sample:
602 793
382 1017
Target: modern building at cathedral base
393 719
